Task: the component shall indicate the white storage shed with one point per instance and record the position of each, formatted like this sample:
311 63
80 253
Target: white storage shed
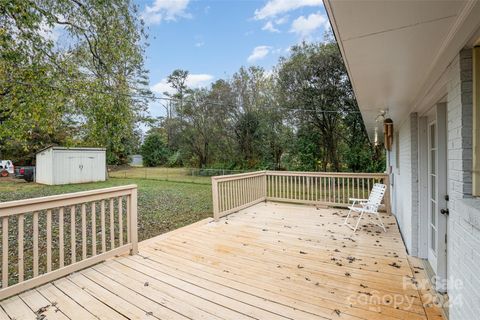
60 165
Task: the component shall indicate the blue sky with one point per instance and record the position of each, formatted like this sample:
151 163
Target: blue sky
213 39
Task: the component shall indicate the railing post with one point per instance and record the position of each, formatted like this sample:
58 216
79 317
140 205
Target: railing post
133 222
265 188
216 210
386 181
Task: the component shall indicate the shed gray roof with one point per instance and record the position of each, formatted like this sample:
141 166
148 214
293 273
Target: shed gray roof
72 148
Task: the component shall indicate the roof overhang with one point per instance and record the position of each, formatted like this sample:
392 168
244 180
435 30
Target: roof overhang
396 52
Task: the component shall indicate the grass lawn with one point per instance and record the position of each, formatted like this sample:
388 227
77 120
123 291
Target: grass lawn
160 173
162 205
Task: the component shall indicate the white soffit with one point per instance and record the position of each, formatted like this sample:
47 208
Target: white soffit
392 49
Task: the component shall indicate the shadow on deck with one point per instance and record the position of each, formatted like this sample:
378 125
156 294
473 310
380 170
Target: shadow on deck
269 261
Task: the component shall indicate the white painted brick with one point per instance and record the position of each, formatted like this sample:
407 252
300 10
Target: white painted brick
464 238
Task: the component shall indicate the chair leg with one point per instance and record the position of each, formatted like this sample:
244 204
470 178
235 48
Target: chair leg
358 221
381 222
348 216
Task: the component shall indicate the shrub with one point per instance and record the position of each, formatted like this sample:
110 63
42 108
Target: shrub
154 150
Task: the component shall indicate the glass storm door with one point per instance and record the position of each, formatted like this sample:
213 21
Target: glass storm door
437 195
432 194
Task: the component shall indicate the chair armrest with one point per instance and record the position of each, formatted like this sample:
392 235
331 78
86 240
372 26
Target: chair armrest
357 200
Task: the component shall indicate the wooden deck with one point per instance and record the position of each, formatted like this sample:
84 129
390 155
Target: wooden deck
269 261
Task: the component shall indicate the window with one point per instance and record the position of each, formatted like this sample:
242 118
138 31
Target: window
476 121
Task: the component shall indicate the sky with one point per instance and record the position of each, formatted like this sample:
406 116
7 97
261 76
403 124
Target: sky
212 39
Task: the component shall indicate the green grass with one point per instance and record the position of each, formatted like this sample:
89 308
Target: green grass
161 173
162 205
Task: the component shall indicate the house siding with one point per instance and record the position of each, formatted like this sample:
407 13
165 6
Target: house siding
405 183
463 244
463 228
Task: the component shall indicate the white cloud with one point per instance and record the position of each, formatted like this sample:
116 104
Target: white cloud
165 10
193 81
258 53
199 44
304 26
276 7
269 27
199 80
281 20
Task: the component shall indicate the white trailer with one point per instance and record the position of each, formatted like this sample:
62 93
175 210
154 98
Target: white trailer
61 165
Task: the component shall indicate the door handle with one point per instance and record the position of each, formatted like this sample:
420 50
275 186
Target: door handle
445 212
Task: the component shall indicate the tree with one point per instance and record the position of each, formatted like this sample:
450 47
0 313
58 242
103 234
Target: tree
89 93
205 123
154 150
315 86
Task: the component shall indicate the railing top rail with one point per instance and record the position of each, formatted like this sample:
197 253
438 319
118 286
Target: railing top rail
238 175
319 173
26 205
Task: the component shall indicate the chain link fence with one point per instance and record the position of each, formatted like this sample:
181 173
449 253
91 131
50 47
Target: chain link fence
192 175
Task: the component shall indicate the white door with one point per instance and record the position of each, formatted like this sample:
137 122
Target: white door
437 196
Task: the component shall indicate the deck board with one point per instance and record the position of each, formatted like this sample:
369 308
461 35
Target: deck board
269 261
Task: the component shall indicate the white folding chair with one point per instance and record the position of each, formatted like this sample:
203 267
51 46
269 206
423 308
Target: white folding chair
369 206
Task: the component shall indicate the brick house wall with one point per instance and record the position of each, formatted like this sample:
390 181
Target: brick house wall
463 246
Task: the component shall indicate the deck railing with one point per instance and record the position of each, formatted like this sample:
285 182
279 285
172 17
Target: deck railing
49 237
319 188
237 191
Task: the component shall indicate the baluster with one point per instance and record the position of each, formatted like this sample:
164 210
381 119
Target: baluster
227 195
357 183
94 228
294 178
334 189
5 252
84 231
329 189
73 240
302 181
283 186
324 189
220 196
49 240
289 187
35 244
224 196
61 255
338 190
307 179
120 220
102 222
237 193
348 189
20 248
232 194
112 226
251 182
363 187
240 192
228 189
128 214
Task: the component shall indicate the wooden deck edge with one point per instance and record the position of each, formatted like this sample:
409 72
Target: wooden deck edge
62 272
148 242
428 295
